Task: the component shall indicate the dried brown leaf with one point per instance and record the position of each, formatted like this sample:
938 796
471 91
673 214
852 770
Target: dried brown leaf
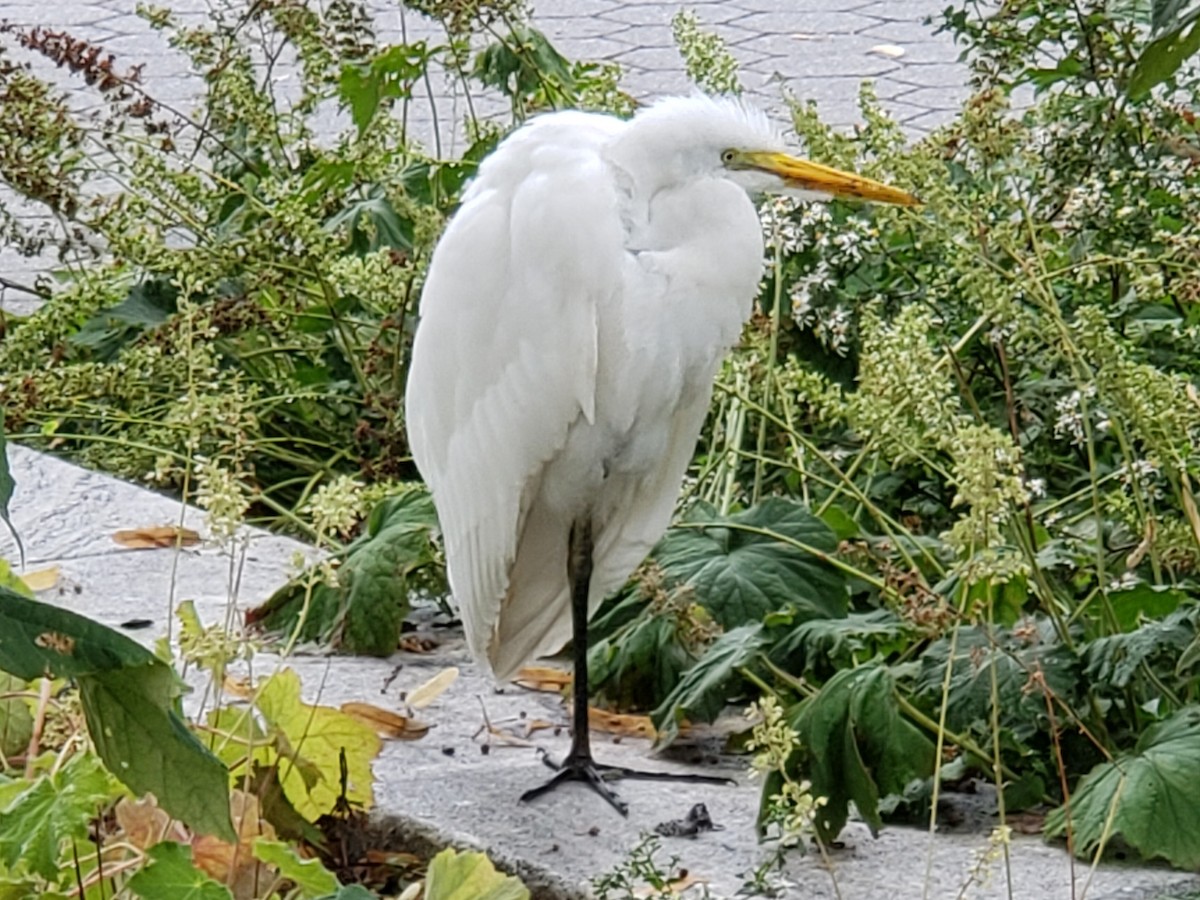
156 536
543 678
234 865
143 824
387 723
417 643
395 858
238 687
620 723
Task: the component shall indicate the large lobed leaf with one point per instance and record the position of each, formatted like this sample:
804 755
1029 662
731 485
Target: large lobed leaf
1146 798
1114 661
461 875
364 612
171 875
856 746
744 566
314 739
981 652
36 818
822 646
129 699
704 689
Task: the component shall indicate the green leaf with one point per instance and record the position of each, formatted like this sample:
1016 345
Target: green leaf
351 892
979 651
310 877
387 76
1163 56
638 666
768 558
314 738
12 581
363 614
1114 661
856 746
704 689
16 721
459 875
523 63
38 639
129 699
171 875
146 744
148 304
7 486
1144 601
1165 13
372 224
821 646
51 811
1147 798
1067 68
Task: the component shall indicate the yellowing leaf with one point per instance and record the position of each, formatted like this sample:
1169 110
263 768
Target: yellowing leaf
315 736
543 678
422 696
234 864
675 886
155 536
385 722
455 875
42 579
619 723
312 878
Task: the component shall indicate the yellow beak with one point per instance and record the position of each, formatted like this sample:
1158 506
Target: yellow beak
811 176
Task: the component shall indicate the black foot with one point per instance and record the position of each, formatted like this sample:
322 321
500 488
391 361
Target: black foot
597 776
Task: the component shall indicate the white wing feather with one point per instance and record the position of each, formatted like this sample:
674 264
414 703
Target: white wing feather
505 357
572 321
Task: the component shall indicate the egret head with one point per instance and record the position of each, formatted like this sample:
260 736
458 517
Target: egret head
698 136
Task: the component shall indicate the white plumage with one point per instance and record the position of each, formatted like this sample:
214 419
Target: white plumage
574 316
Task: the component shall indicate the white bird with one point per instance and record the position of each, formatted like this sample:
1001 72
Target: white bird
574 315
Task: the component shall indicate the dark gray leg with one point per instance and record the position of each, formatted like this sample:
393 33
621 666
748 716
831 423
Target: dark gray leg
579 765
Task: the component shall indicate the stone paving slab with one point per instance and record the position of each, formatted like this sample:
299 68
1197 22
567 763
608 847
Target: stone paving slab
444 788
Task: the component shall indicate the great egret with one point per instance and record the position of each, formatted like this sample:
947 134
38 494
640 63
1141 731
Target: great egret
573 318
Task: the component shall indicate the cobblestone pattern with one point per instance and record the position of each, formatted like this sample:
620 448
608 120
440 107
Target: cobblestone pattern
819 49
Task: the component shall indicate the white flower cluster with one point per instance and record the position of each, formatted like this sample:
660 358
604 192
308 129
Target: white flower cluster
1144 473
1070 421
780 228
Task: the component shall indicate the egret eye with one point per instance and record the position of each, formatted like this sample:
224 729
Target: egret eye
729 157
